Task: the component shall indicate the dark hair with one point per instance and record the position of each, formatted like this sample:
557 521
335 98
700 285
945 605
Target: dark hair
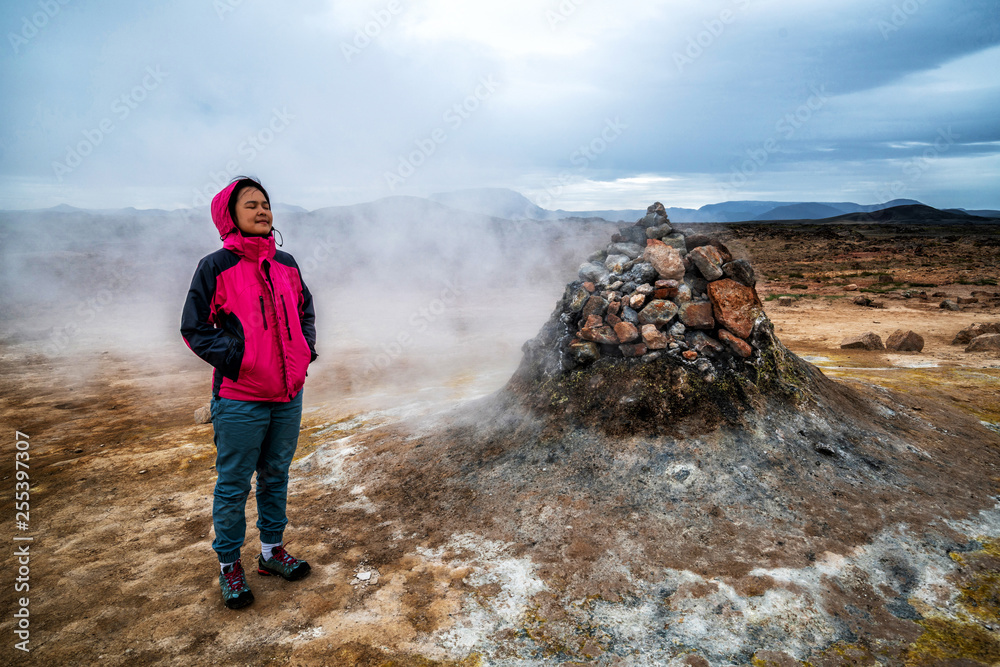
242 183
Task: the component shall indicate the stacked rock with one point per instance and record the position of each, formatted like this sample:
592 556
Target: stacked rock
658 291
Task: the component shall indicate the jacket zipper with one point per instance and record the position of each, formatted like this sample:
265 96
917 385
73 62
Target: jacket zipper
262 315
285 311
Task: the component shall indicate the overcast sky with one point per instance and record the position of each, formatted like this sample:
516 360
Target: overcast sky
578 104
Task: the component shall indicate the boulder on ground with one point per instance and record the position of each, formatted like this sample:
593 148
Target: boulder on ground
948 304
786 301
985 343
203 415
904 341
964 300
869 340
851 288
965 336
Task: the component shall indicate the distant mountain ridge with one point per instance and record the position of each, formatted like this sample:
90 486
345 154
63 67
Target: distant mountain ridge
508 204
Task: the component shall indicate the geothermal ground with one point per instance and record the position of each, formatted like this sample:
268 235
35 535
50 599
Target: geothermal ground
427 550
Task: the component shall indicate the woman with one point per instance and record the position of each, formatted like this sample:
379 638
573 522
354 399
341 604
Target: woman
249 315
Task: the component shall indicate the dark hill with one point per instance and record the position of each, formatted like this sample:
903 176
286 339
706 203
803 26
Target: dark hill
908 213
800 212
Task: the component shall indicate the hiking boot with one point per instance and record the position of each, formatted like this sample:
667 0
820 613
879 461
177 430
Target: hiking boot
235 592
282 564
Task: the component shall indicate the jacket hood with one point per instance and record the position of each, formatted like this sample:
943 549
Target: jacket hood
255 248
220 211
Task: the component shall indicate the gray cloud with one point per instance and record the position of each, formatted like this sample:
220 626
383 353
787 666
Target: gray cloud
365 88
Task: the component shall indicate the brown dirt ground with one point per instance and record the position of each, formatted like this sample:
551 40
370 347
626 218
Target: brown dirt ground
121 566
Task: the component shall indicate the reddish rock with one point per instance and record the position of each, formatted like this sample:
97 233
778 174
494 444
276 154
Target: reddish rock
964 300
965 336
985 343
584 352
614 307
904 341
869 340
737 345
633 349
636 300
612 319
626 332
601 334
851 288
592 321
736 306
590 287
658 312
665 293
660 284
697 314
665 259
645 289
654 338
595 305
690 355
708 260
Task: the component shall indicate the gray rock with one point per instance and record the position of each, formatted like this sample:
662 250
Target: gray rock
630 250
651 357
652 220
584 352
616 263
578 300
658 312
948 304
741 271
659 231
595 273
677 330
676 240
633 234
786 301
708 260
641 272
629 315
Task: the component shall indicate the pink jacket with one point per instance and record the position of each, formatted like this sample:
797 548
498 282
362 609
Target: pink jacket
249 315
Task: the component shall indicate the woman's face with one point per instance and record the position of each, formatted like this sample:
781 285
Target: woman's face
253 213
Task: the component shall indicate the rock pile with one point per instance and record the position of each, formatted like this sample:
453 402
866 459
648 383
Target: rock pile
657 291
675 302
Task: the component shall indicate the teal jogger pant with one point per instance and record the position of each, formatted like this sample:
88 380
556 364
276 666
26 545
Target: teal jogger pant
252 436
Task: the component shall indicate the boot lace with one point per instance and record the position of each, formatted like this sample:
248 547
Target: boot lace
235 577
279 554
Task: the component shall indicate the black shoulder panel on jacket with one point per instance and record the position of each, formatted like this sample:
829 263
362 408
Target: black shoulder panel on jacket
282 257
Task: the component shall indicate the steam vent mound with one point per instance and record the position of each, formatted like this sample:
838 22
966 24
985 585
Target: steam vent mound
661 325
662 482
